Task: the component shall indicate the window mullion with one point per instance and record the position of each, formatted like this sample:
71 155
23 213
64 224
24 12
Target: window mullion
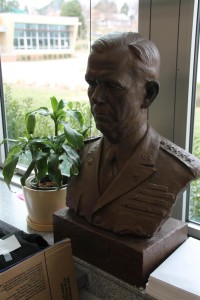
3 132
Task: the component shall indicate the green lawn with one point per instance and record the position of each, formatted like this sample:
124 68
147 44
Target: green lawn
42 95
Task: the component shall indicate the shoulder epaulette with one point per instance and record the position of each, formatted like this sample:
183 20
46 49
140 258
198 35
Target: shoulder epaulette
187 158
176 150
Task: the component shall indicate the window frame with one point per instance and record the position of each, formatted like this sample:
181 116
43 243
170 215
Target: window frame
174 106
151 18
3 150
194 69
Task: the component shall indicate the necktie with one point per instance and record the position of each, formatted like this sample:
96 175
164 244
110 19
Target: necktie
107 172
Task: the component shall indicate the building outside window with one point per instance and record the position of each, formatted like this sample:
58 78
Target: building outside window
35 34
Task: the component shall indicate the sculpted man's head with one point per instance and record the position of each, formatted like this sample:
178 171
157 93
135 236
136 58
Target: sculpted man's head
122 73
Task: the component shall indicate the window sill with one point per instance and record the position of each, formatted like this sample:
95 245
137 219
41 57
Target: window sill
194 230
15 180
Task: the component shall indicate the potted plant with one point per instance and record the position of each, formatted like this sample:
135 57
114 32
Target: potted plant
53 159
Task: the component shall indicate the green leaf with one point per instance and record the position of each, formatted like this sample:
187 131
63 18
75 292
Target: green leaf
73 136
27 173
11 161
17 149
58 142
61 114
24 139
38 155
74 170
60 139
84 132
38 144
73 160
42 168
77 115
33 165
70 104
3 142
71 164
72 155
54 104
61 104
9 168
44 111
41 110
30 123
65 165
53 169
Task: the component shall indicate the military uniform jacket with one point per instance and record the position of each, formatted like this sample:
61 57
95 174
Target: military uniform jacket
140 198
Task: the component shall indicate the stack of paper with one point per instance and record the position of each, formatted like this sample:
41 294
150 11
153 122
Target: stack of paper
178 277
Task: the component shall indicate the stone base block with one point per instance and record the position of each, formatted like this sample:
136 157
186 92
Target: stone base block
127 258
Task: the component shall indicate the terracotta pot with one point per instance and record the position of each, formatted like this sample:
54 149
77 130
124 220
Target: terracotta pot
41 205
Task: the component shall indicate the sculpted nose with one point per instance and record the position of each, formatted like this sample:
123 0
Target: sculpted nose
98 96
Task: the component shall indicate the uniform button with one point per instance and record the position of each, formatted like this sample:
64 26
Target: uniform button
98 219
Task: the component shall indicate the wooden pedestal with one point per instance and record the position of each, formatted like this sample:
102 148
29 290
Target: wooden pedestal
127 258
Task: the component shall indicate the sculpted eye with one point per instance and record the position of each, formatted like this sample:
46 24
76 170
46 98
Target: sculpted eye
92 84
113 86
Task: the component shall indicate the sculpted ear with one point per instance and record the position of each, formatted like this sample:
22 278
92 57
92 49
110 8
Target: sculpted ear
152 89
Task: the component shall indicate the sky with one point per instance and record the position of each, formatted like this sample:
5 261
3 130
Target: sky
40 3
37 3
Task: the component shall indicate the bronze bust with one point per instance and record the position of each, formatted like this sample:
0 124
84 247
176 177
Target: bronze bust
131 176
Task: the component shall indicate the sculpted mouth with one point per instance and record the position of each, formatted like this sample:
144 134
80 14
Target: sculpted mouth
97 113
102 117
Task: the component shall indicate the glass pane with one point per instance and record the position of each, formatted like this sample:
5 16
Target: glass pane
41 60
194 205
108 16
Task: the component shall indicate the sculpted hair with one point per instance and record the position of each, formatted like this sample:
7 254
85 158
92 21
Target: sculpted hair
143 51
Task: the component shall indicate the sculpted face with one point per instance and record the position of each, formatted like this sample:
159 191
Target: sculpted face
115 93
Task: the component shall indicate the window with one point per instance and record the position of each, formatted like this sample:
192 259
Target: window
52 61
44 54
41 36
172 28
193 211
19 36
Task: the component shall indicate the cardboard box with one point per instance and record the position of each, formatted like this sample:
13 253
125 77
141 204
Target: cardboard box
47 275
